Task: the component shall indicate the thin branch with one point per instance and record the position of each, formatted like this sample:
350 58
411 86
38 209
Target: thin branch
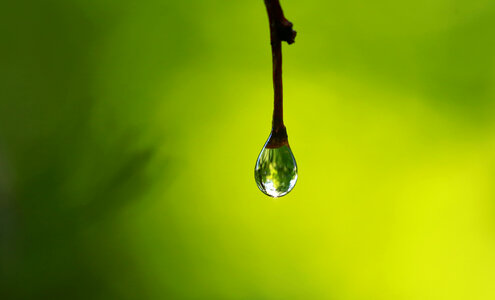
280 30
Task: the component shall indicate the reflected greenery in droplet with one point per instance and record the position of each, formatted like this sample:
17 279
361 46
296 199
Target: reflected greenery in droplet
276 171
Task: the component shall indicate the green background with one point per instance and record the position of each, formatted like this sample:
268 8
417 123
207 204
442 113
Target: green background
129 132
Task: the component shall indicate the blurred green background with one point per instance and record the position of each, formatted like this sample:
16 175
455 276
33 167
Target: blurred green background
129 132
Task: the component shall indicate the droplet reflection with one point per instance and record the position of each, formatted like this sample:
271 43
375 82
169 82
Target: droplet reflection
276 171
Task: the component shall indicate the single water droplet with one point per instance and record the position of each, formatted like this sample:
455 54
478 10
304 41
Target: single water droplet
276 169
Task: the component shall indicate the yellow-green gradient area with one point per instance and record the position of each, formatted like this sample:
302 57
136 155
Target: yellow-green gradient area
129 132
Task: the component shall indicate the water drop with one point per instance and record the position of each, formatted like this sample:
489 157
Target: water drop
276 168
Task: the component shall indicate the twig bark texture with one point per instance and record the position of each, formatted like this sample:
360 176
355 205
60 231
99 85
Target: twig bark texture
280 30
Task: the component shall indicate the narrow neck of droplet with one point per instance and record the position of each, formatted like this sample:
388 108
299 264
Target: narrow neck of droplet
278 138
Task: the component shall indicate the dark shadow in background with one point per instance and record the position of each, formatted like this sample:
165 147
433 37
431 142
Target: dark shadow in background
47 207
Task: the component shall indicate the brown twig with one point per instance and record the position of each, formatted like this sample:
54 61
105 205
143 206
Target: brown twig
280 30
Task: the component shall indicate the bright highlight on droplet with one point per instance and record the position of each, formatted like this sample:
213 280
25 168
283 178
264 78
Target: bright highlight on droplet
276 171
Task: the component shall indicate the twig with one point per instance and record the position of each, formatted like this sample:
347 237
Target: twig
280 30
